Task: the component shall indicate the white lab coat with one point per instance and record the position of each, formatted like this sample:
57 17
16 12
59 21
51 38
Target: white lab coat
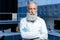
31 30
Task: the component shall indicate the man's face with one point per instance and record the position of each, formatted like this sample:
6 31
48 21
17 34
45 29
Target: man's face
32 12
32 8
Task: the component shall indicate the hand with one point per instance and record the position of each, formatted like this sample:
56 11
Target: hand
25 29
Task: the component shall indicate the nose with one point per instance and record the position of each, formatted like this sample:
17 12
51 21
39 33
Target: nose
32 11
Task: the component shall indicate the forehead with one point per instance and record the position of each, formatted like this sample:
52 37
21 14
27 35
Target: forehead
32 5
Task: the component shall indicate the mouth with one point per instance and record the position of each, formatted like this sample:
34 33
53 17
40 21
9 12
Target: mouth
32 14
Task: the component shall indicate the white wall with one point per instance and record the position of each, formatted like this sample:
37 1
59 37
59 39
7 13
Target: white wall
50 21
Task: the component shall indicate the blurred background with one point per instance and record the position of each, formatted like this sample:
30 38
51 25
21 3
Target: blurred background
11 11
49 10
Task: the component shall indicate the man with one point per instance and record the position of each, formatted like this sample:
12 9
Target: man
33 27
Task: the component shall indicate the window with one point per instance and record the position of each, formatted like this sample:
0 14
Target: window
45 10
55 9
50 10
41 11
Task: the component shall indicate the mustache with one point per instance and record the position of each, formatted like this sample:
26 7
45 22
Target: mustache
32 14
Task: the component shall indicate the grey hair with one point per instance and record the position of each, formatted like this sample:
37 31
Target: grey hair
31 2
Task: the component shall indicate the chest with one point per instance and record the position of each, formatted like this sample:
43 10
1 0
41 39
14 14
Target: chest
33 26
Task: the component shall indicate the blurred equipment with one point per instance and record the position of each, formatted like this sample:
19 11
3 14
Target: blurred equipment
8 6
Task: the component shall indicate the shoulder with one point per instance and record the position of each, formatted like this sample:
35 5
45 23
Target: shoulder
41 19
23 19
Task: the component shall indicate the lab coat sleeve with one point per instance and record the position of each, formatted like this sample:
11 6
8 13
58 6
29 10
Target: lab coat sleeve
22 25
43 30
23 29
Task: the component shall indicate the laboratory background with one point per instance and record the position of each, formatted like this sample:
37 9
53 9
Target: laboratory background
11 12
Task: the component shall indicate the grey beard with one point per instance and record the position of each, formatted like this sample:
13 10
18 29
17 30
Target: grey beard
31 17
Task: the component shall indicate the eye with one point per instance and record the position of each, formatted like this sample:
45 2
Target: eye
34 8
30 8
